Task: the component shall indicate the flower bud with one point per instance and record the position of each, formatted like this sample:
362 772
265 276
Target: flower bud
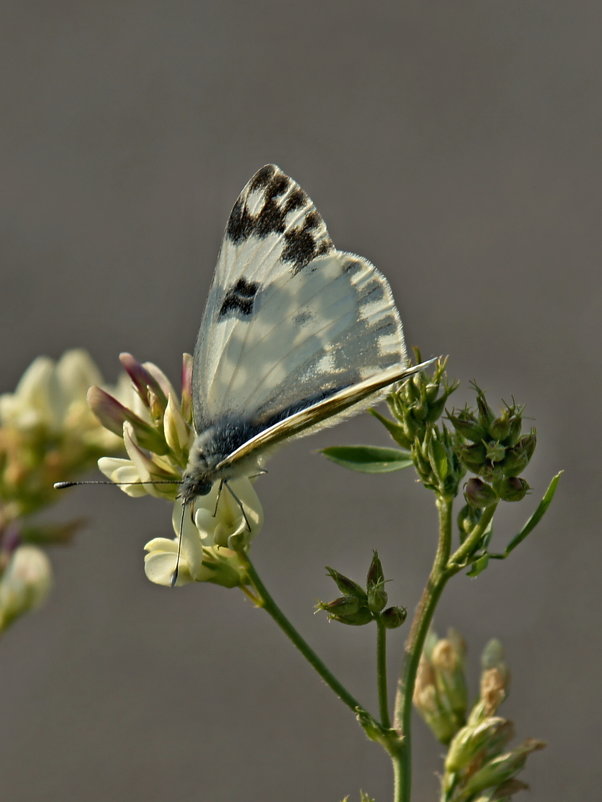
25 583
427 701
485 413
144 382
518 457
473 456
346 610
466 424
472 743
447 659
394 617
495 451
501 427
512 488
375 584
501 769
516 425
468 518
347 586
478 494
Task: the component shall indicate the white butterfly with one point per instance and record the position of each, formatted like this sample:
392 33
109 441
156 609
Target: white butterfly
295 335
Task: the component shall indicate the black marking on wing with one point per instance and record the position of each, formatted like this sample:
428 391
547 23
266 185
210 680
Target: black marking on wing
239 298
300 244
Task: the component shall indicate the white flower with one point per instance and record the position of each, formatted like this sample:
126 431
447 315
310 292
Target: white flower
206 552
52 395
25 583
140 469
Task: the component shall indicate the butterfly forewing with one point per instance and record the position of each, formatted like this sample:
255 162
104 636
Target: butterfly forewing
274 230
290 322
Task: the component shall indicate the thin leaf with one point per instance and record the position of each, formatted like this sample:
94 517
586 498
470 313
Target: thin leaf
532 522
368 459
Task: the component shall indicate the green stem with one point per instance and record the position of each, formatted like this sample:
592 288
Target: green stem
270 606
381 673
398 772
415 643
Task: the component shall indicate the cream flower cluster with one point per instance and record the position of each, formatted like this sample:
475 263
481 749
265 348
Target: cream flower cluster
47 434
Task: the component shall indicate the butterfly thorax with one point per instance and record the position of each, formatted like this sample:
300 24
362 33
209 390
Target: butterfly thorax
210 449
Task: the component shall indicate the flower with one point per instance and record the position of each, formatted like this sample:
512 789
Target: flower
25 583
208 539
52 395
47 432
157 431
155 425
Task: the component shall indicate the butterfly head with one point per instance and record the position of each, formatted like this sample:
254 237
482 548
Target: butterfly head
195 484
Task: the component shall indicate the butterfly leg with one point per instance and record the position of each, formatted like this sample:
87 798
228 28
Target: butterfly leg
219 495
239 502
174 576
260 472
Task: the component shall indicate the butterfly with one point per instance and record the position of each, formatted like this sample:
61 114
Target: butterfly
296 335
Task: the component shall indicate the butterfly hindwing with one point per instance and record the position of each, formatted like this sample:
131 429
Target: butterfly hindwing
281 334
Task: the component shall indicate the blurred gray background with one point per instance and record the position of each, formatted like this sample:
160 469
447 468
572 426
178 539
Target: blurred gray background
456 144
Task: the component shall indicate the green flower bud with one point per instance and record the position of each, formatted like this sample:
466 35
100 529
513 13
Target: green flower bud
500 769
474 742
495 451
518 457
347 586
516 424
466 424
479 494
473 456
346 610
468 518
375 583
486 416
512 488
500 427
394 617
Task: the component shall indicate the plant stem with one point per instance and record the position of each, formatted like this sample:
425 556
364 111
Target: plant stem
381 673
415 643
270 606
398 770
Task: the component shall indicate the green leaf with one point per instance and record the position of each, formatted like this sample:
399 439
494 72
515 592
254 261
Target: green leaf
368 459
532 522
479 565
395 429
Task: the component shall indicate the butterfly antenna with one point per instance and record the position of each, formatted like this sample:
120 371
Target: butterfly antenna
63 485
174 576
239 502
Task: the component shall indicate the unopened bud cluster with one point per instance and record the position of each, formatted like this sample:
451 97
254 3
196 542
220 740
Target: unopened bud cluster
417 406
496 450
480 765
358 606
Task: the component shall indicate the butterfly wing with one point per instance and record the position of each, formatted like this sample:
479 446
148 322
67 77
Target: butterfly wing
322 412
290 321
